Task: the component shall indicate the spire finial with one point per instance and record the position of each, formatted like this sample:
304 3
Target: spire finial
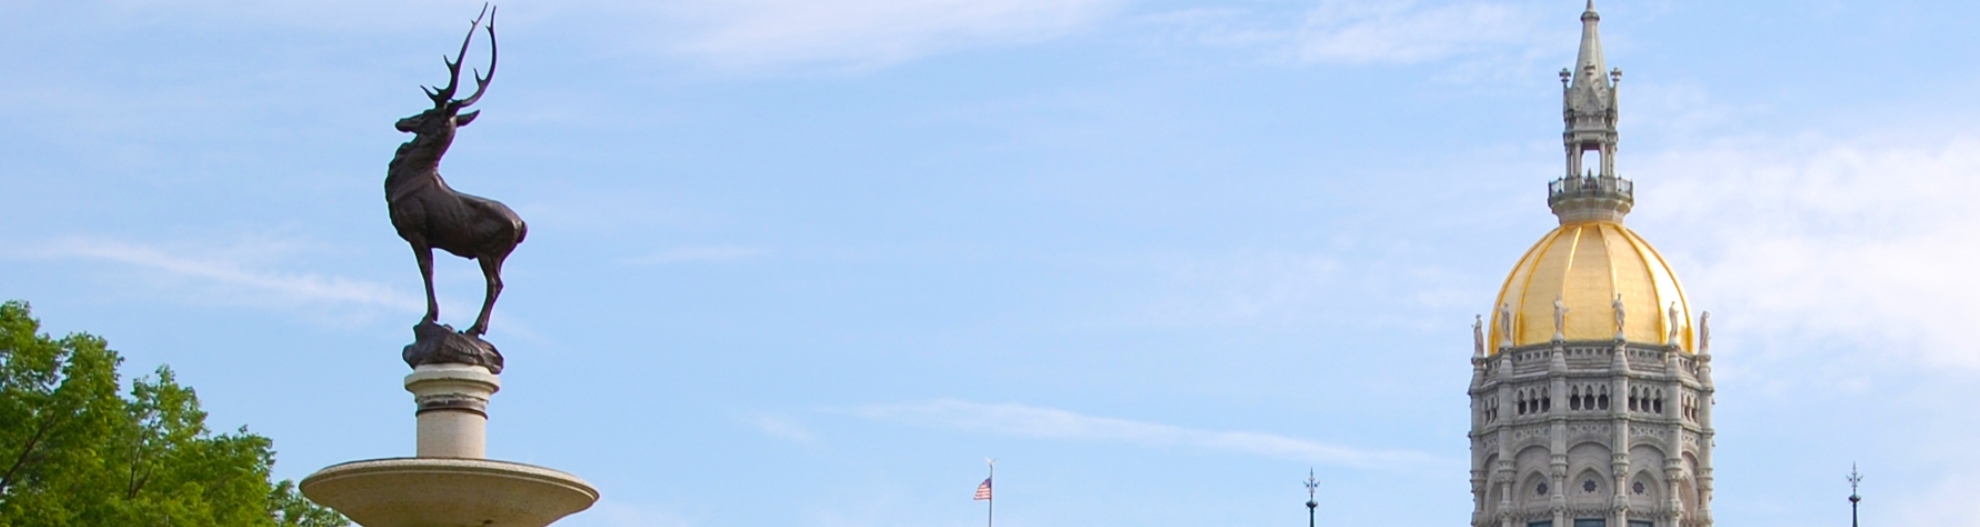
1589 66
1312 484
1854 478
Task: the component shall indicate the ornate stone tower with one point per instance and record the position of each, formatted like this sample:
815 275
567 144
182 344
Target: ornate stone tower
1591 389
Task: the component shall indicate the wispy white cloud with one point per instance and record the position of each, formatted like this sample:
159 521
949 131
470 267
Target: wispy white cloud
1052 423
1399 31
239 279
1808 239
782 428
865 33
722 253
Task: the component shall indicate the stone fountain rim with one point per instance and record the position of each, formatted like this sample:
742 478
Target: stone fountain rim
446 465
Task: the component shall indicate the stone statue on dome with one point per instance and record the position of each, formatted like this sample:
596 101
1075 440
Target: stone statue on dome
1477 335
1677 324
1618 305
1505 324
1704 332
1560 317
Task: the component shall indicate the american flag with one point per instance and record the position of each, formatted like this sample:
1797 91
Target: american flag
983 491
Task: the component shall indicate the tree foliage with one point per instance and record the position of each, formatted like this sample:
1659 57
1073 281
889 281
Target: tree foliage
76 452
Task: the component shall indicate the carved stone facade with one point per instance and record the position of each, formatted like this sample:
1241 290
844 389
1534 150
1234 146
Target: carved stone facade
1571 448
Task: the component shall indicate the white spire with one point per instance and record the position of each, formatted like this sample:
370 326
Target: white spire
1588 65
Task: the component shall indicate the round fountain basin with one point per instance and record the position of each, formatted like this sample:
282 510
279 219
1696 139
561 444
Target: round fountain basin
448 492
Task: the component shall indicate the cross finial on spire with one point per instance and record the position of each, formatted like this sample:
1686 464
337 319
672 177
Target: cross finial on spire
1854 478
1312 485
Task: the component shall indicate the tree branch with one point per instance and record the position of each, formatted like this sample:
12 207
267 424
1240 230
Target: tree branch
27 452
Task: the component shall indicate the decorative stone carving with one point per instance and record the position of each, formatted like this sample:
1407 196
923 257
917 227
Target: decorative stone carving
1505 324
1677 325
1705 332
1590 430
1477 336
1560 318
1617 304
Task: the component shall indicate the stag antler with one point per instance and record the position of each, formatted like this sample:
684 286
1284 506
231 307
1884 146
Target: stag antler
480 82
445 96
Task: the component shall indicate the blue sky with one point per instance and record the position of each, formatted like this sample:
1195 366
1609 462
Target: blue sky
807 263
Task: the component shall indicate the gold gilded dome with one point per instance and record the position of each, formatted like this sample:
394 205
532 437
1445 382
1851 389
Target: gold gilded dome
1587 265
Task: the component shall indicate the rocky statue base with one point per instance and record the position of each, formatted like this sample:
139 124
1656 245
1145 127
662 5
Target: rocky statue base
449 483
436 343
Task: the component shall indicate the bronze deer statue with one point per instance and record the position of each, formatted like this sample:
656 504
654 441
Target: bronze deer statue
429 214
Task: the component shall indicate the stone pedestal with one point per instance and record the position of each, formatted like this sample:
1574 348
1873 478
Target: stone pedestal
453 409
449 483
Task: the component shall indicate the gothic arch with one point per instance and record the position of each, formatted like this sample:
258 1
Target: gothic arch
1688 489
1589 488
1646 462
1493 496
1534 490
1646 490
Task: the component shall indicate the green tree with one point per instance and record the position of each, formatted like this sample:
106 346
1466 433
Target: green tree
73 452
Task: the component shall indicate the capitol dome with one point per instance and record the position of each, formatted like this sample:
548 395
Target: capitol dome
1588 265
1591 398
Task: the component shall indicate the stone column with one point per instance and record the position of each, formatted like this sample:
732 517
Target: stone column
1506 481
1480 491
1673 477
453 409
1703 478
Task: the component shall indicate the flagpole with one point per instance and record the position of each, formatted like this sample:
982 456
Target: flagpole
993 492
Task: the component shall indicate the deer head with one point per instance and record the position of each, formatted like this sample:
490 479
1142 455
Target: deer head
446 114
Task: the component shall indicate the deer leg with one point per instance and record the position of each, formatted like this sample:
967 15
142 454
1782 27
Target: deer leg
491 269
425 255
